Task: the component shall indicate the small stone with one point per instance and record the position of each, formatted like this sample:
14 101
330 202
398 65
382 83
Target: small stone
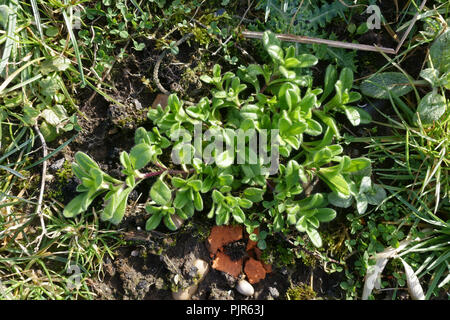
159 284
245 288
137 104
274 292
267 267
202 268
142 285
57 164
185 294
135 253
192 272
176 279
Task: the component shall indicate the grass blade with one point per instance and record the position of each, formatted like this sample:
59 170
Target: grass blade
12 21
16 73
51 154
14 172
436 276
73 39
37 17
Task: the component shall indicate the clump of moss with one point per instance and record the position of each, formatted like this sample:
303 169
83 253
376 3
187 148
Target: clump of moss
308 259
199 230
201 36
334 243
61 177
128 118
300 292
64 173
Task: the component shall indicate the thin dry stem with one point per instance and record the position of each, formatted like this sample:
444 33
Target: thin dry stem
41 192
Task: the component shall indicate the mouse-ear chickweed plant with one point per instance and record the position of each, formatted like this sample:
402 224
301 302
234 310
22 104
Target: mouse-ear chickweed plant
246 155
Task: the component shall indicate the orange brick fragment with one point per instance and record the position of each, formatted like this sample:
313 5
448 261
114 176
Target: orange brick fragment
254 270
222 235
258 253
267 267
222 262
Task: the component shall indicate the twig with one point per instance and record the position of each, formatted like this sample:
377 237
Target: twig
413 21
160 59
41 192
396 10
340 44
163 54
331 43
391 289
160 172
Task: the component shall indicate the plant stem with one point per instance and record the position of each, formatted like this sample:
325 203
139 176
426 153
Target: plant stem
152 174
157 173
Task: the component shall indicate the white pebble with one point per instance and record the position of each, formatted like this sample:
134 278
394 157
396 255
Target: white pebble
202 268
176 279
245 288
185 294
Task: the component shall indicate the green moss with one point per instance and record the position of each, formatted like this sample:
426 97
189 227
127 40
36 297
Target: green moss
201 35
27 183
301 292
64 173
133 120
308 259
55 194
61 178
200 231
